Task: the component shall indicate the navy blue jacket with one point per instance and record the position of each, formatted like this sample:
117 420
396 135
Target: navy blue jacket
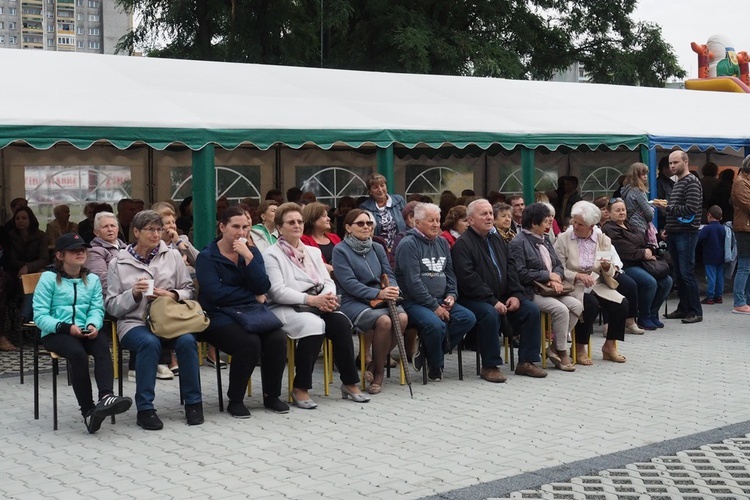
224 283
712 236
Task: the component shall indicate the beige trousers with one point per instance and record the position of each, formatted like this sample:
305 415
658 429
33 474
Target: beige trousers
565 311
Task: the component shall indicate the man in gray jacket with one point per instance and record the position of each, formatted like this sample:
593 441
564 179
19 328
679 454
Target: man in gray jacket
424 272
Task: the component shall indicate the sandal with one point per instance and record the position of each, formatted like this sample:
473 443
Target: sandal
6 345
583 359
369 377
553 356
613 356
374 389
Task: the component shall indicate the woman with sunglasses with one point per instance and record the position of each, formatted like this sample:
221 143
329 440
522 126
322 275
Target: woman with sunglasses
303 297
358 265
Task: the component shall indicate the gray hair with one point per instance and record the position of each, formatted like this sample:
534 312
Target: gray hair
473 205
551 208
746 165
421 209
104 215
146 217
589 212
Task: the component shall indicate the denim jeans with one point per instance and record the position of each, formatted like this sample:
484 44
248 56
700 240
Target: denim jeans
681 248
714 281
432 330
526 320
651 292
148 348
741 288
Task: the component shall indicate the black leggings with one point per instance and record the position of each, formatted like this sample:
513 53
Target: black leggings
339 331
77 351
617 313
246 350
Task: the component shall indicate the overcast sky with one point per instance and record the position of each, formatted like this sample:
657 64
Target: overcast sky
685 21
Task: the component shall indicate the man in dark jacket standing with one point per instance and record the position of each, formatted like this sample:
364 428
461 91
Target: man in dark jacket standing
490 288
424 271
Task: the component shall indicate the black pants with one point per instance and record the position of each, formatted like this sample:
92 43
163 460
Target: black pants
617 313
77 351
339 331
247 349
629 289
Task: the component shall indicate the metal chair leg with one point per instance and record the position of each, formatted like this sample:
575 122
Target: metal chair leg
36 378
218 380
362 363
55 369
290 351
460 348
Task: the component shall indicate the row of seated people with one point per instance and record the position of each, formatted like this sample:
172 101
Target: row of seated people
447 292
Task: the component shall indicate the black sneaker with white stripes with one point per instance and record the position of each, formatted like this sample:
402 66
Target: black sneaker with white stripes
112 405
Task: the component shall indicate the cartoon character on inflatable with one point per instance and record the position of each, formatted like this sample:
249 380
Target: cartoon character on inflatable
720 67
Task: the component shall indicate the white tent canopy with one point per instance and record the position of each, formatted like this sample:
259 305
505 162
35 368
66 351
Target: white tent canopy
129 100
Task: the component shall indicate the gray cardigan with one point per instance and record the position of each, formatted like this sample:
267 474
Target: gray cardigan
524 256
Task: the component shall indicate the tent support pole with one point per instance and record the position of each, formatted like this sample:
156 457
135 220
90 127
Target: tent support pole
527 174
385 165
204 195
150 173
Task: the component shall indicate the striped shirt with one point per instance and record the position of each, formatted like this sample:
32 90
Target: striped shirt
685 202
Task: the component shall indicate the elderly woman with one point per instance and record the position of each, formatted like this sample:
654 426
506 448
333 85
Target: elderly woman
503 215
386 208
264 234
635 194
455 224
233 279
303 297
359 265
533 255
129 279
633 249
69 311
61 223
585 255
317 232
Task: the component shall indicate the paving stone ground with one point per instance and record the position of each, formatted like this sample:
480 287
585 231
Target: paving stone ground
455 439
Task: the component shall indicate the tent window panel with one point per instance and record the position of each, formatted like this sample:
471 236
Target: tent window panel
48 186
235 182
432 180
545 179
330 183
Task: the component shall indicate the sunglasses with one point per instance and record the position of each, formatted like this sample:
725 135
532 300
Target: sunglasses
362 223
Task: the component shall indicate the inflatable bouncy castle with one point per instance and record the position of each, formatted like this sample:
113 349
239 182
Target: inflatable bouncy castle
720 67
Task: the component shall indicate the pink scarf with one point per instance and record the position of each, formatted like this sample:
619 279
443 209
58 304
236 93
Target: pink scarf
299 258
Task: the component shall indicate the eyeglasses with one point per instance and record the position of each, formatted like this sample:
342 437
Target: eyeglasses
153 229
362 223
616 200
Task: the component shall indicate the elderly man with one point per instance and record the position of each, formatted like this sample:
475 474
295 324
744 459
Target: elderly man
490 288
424 271
683 223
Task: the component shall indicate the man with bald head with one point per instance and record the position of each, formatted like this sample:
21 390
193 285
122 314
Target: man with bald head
683 222
490 288
424 271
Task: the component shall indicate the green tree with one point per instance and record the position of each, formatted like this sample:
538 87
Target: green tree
503 38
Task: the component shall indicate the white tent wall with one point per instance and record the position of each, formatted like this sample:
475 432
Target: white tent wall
421 175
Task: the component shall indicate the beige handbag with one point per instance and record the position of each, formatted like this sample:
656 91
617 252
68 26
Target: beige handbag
168 318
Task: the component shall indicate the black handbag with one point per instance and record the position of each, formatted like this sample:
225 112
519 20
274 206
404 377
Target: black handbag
254 317
657 268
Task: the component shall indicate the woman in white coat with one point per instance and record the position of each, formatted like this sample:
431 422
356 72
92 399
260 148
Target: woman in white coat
303 297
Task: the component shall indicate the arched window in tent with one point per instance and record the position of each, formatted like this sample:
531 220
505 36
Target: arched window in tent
600 182
329 183
543 181
235 182
432 181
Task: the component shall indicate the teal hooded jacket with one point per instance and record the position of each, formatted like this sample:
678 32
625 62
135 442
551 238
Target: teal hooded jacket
58 306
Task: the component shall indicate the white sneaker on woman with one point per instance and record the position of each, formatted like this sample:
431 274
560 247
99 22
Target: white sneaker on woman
164 373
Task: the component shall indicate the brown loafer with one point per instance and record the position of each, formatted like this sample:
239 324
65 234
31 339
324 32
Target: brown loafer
530 370
493 375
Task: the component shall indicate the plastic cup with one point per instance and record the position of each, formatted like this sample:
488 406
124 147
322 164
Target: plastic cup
150 291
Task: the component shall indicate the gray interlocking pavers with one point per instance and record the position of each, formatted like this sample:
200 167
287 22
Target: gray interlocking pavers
453 434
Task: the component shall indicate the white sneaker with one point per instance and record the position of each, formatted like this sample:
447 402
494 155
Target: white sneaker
131 375
164 373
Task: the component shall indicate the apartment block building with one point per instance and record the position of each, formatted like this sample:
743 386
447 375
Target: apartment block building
93 26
